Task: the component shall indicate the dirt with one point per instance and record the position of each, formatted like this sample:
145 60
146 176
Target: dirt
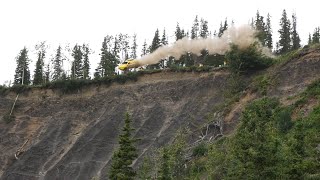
73 136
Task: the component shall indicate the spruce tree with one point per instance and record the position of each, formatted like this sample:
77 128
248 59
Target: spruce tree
126 153
164 171
109 59
163 42
316 36
134 47
260 27
309 39
57 65
178 33
204 31
86 64
77 64
47 74
195 28
294 34
284 31
22 73
268 30
223 28
38 72
144 50
154 46
254 146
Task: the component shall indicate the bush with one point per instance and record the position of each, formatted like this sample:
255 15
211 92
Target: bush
247 60
20 88
3 90
200 150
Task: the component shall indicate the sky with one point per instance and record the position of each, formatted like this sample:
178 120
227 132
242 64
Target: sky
25 23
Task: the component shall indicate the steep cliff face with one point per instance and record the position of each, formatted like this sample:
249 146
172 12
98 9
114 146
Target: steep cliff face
73 136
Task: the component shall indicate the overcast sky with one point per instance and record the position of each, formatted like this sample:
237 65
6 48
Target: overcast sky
27 22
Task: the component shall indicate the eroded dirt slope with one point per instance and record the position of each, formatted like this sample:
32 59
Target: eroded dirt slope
73 136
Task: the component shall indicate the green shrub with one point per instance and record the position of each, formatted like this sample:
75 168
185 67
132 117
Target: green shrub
3 90
20 88
200 150
247 60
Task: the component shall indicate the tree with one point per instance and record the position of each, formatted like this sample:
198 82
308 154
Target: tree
163 42
126 153
204 32
134 47
195 28
246 60
260 27
57 65
268 32
254 146
223 27
22 73
109 59
164 172
47 74
309 39
154 46
38 77
316 36
179 32
144 50
284 31
294 34
86 64
77 64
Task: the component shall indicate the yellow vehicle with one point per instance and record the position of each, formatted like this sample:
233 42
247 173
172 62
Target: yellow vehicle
129 63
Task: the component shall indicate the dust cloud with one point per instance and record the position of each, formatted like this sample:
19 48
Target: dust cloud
242 36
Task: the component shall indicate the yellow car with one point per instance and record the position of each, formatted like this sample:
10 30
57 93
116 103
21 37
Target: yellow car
129 63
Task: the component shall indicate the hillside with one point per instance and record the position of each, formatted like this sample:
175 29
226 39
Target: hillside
72 136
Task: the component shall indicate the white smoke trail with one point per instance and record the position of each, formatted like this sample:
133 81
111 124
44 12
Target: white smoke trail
242 36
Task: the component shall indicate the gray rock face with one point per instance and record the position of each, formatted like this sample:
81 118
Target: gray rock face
74 136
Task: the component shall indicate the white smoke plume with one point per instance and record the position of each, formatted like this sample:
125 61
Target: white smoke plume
242 36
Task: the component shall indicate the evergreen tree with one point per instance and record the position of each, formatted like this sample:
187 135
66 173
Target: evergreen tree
144 50
164 172
260 27
38 72
164 40
134 47
179 34
77 64
154 46
86 64
57 65
253 150
116 46
195 28
204 32
47 74
223 28
109 59
124 156
309 39
284 31
268 30
316 36
294 34
124 46
22 73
